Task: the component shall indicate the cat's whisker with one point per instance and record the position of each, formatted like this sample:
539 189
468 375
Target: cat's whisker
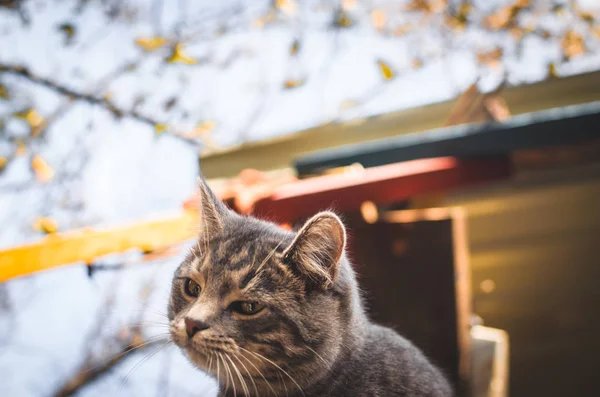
118 356
218 369
149 356
276 366
319 356
210 358
229 375
239 375
264 262
248 372
259 372
281 380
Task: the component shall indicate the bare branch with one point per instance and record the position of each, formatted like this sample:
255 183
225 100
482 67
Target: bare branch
89 98
90 373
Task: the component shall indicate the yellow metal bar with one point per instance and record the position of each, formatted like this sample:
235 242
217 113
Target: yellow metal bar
85 245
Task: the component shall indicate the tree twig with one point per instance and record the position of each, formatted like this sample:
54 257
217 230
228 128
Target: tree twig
89 98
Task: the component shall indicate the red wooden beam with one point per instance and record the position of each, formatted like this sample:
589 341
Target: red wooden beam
382 185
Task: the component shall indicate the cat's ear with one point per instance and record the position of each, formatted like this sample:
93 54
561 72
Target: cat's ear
212 210
317 250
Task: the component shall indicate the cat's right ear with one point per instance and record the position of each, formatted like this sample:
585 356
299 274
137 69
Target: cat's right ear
212 210
317 249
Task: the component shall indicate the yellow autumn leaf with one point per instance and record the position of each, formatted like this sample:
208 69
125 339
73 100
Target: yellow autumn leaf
386 70
287 6
261 22
427 6
459 21
378 19
3 161
295 47
572 44
151 43
21 147
69 32
43 171
46 225
178 56
348 103
596 31
3 91
33 118
502 18
552 70
160 128
293 83
490 58
343 19
402 30
348 4
205 127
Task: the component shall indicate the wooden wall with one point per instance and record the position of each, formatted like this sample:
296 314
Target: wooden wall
535 257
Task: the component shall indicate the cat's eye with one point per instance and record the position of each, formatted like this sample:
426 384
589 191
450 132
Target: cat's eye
247 308
191 288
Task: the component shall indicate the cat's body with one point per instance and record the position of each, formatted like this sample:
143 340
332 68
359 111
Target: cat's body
275 313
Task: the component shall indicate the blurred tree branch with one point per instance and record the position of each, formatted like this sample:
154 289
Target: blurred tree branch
106 103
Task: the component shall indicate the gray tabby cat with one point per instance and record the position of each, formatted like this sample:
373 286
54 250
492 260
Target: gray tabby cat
270 312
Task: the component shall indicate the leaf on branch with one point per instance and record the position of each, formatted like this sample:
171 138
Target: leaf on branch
21 147
431 6
178 56
586 16
378 19
402 30
3 92
42 170
34 119
46 225
460 19
261 22
293 83
490 58
572 44
69 31
348 103
348 4
416 64
295 47
343 20
151 43
3 162
287 6
386 71
204 129
552 73
505 16
160 128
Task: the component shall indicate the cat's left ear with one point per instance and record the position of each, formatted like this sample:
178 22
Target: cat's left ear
213 212
317 250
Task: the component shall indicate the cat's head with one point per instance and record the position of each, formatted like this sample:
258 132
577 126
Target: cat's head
260 307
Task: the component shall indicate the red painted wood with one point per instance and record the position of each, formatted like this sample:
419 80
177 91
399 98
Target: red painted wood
382 185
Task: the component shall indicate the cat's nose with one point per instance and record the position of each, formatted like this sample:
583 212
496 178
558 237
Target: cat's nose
193 326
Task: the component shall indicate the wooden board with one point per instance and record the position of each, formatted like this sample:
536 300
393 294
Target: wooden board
85 245
381 185
569 125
